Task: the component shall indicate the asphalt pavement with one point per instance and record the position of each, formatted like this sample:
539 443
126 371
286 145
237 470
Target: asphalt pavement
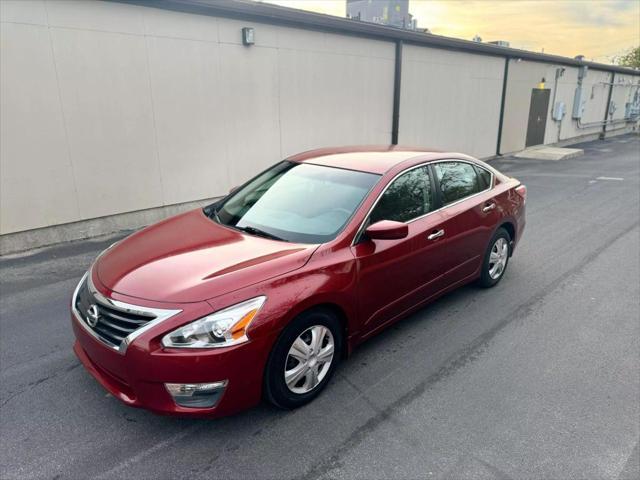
537 378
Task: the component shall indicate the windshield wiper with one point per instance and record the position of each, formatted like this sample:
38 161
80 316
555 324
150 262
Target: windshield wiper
212 211
260 233
216 216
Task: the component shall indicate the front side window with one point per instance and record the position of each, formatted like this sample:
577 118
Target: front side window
296 202
457 180
409 196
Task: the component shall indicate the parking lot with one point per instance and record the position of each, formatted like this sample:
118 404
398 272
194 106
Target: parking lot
536 378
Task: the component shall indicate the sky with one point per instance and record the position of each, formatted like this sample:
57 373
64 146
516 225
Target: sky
597 29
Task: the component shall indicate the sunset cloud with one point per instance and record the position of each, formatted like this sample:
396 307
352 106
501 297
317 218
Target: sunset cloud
598 29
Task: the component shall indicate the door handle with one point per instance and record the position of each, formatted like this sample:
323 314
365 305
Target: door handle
435 235
488 208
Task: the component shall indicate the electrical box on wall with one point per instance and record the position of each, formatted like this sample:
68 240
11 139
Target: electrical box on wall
578 98
578 102
558 111
631 110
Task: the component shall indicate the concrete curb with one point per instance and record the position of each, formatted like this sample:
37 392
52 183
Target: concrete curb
550 153
48 236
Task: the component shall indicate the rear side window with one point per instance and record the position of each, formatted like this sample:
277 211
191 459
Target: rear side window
457 180
484 178
409 196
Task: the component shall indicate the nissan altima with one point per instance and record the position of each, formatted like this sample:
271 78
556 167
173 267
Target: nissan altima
262 293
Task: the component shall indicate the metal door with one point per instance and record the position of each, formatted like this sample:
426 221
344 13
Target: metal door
537 116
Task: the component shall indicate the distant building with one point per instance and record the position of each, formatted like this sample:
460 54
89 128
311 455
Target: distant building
394 13
500 43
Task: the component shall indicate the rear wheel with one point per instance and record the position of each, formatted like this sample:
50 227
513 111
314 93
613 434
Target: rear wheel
496 259
303 359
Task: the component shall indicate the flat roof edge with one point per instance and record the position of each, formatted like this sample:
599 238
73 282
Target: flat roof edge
274 14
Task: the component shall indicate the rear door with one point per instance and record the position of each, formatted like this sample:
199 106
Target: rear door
470 214
392 273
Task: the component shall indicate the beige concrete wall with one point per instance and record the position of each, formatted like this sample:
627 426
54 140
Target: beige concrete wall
596 91
524 76
110 108
450 100
625 87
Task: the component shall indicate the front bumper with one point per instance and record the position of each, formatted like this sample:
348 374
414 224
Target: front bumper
138 376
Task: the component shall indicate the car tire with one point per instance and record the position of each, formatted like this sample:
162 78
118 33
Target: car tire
287 361
498 252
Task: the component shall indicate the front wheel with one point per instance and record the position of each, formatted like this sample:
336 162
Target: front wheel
303 359
496 259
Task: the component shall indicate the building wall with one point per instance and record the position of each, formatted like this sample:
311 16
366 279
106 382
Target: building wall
525 76
385 12
522 78
625 87
110 108
596 91
450 100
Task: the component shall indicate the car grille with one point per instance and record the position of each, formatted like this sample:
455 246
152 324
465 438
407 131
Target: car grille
113 325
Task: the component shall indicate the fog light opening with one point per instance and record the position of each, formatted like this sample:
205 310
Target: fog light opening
196 395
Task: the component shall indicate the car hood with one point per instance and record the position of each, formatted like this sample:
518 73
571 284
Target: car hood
190 258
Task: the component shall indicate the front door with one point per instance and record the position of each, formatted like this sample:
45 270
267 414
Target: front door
537 116
392 273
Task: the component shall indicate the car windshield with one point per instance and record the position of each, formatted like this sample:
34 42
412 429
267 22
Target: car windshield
295 202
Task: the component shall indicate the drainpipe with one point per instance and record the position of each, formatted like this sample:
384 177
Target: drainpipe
395 119
505 77
559 73
606 110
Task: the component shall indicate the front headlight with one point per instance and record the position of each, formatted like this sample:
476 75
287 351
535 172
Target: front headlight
220 329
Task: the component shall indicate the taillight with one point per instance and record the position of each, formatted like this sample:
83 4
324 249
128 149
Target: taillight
522 191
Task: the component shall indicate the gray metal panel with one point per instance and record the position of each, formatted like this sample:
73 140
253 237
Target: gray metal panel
578 103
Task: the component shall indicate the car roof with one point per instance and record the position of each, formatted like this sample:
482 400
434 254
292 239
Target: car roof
377 159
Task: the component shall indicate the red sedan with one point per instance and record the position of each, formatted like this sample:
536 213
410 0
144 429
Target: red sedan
262 293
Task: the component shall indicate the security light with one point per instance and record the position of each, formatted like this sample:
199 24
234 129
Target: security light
248 36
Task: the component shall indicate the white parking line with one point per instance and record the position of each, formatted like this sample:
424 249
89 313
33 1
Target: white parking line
617 179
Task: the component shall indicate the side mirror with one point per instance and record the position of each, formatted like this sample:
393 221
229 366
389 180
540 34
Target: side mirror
387 230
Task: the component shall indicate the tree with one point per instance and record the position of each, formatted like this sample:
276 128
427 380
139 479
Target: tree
630 59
